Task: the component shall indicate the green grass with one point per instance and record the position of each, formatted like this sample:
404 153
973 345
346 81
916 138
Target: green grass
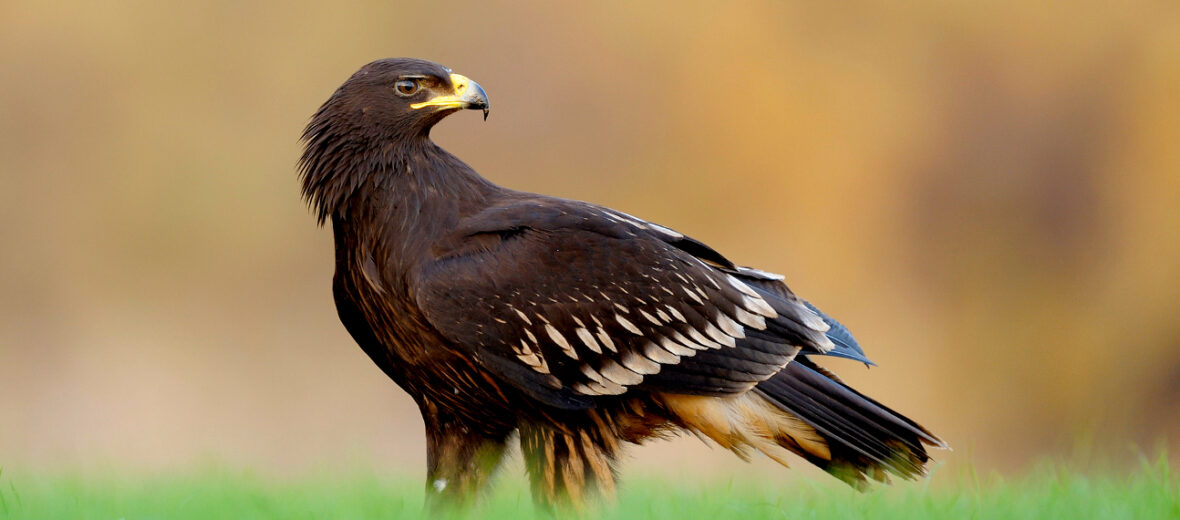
1151 492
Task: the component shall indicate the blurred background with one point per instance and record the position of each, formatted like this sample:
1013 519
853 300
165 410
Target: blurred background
987 195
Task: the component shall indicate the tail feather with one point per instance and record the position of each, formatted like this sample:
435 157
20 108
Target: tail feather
866 438
803 411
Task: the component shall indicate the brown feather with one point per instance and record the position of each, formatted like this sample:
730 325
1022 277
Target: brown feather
747 421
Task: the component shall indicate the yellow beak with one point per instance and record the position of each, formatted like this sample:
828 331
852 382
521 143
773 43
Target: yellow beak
468 94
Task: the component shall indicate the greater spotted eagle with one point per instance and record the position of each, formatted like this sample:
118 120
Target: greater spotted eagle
580 328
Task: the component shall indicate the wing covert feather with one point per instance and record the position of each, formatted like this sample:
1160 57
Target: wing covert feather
569 302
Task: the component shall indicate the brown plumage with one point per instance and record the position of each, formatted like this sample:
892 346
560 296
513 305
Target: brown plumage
581 328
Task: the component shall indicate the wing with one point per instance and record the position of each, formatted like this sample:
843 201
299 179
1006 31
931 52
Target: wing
568 301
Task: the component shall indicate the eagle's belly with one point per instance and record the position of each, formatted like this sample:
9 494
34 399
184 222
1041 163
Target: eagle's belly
400 341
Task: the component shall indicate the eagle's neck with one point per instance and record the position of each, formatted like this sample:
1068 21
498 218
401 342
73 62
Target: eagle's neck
394 199
343 170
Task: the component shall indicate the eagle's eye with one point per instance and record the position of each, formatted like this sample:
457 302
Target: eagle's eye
406 87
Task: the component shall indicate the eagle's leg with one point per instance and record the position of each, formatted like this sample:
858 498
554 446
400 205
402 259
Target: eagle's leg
461 458
570 465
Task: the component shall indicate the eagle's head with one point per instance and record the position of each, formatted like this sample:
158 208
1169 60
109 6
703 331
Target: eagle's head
385 108
402 96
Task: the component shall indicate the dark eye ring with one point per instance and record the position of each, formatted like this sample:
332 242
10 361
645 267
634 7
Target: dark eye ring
406 87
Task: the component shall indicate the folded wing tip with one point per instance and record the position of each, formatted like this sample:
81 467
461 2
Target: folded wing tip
846 345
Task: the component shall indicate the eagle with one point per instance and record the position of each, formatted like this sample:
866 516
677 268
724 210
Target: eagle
574 327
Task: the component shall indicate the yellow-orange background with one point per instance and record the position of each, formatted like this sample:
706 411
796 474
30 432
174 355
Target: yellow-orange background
988 194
